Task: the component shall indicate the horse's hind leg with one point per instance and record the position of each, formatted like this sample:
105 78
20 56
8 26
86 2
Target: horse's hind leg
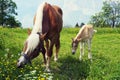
47 47
57 45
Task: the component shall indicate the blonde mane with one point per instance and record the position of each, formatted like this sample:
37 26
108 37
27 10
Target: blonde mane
39 17
32 42
33 39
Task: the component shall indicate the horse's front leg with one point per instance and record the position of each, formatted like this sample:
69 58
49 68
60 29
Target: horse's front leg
89 50
81 50
49 54
43 52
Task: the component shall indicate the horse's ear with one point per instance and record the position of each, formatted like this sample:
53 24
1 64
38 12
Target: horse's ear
79 40
42 36
29 31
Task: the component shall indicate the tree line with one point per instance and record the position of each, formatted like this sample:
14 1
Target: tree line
109 16
8 13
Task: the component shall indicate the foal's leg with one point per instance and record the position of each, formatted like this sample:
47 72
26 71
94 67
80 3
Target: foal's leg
57 45
89 49
83 45
81 50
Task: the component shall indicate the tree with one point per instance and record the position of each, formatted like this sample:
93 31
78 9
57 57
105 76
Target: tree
82 24
97 20
7 13
109 16
77 25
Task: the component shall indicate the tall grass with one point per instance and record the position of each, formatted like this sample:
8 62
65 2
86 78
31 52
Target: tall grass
105 51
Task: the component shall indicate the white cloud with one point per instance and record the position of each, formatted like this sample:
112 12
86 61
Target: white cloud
70 6
111 0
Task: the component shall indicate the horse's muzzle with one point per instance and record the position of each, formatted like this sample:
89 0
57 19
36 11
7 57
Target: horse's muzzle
19 66
73 51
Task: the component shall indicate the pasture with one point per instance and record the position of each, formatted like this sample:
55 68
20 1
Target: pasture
105 52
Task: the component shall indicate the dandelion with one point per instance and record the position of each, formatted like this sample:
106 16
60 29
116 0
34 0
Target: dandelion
36 68
8 78
39 78
5 55
3 74
33 72
7 50
19 75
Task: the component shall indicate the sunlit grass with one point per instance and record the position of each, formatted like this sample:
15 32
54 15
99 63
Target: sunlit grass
105 51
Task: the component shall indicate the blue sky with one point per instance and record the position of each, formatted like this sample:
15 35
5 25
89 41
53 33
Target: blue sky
73 10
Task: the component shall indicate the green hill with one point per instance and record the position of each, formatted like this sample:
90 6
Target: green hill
105 51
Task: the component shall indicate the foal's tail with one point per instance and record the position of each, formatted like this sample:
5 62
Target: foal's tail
95 31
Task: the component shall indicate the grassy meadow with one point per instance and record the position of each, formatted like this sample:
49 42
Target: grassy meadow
105 52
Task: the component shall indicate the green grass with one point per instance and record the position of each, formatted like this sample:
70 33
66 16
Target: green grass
105 51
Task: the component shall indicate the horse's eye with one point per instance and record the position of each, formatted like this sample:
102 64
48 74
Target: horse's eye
17 60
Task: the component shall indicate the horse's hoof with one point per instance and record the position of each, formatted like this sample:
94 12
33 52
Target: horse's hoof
55 59
91 60
47 70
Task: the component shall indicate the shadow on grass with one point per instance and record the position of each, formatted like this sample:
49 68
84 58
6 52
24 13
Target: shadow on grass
72 69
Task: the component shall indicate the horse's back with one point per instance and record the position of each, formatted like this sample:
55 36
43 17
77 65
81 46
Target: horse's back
52 19
58 9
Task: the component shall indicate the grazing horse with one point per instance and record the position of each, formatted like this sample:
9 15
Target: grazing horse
47 27
85 35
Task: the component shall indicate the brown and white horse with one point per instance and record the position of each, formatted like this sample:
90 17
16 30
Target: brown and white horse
84 35
47 27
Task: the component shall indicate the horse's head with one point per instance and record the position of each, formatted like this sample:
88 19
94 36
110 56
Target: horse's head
74 45
31 49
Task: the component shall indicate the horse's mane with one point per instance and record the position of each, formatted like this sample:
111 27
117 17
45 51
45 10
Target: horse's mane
32 42
33 39
39 17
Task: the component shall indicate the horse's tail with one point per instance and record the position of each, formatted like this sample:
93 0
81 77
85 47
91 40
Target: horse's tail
38 19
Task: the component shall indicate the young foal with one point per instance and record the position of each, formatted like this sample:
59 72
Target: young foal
85 35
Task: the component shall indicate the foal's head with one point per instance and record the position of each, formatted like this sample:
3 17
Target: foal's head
75 43
31 49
